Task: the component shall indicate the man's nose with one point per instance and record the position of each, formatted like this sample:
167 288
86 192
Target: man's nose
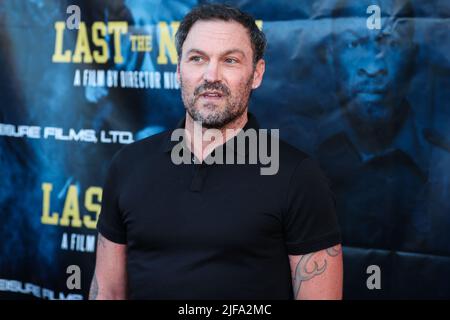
212 72
375 65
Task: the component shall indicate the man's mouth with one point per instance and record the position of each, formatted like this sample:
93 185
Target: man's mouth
211 95
372 89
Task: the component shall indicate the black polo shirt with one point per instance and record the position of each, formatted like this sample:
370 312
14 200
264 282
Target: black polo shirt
217 231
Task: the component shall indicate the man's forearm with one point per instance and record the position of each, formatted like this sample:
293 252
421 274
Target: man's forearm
318 275
96 294
93 292
110 279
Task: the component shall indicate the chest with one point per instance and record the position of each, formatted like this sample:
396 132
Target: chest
193 207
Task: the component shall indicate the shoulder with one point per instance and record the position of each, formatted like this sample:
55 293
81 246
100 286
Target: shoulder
293 158
300 167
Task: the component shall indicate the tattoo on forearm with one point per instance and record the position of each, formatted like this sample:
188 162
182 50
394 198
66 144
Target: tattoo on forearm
93 292
310 266
334 251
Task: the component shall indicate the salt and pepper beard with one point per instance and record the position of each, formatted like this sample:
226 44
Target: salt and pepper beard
235 106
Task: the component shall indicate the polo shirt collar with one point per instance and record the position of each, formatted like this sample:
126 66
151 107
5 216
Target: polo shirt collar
251 123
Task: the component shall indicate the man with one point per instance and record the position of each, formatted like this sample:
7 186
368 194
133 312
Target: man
376 159
216 231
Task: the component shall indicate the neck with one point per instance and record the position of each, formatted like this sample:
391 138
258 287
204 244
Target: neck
377 137
373 139
202 145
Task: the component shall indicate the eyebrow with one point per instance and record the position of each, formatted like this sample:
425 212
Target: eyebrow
230 51
233 51
196 51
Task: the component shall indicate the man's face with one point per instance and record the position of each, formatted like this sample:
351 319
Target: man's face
372 66
216 72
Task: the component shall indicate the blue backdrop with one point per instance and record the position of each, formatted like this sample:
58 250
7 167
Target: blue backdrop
372 105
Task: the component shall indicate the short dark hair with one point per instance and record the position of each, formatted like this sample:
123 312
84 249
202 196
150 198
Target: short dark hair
223 12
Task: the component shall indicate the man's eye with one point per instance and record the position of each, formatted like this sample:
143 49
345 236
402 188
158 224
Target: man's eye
230 60
393 42
353 44
196 59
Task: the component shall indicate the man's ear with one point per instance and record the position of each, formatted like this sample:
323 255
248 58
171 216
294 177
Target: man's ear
259 73
178 71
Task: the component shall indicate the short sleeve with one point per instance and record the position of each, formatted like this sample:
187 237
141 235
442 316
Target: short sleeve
110 223
310 222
